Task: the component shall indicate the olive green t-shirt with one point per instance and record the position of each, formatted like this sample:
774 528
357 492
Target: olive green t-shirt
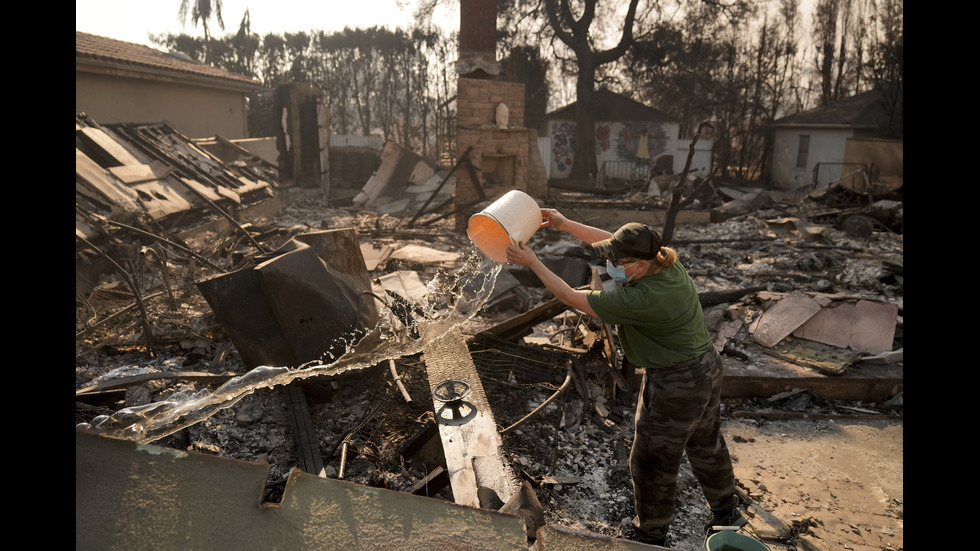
659 319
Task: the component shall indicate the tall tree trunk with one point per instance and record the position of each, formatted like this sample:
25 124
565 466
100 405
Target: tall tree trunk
584 163
574 33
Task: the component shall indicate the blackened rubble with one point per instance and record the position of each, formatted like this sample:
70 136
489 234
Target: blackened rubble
575 451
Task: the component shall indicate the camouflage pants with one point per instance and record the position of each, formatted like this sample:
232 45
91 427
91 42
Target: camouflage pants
678 410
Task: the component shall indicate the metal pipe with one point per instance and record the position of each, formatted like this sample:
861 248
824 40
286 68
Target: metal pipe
398 381
568 380
343 460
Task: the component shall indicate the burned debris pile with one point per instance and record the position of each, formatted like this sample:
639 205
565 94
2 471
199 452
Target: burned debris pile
813 279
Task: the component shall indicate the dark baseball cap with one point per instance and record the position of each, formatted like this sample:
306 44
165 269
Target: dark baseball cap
633 240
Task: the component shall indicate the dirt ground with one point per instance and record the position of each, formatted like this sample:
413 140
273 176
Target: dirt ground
837 485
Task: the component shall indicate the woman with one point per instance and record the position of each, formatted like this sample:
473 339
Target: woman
660 325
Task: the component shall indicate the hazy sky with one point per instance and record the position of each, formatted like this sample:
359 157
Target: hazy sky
133 20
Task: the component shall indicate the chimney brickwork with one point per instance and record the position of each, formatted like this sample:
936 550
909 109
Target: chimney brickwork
477 100
501 153
478 28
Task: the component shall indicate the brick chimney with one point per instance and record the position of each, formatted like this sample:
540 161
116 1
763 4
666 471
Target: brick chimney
489 119
477 37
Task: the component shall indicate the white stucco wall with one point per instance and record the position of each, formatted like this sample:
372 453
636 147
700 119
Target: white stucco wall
196 112
615 141
826 146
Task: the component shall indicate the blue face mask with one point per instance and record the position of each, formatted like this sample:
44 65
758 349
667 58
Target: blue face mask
618 273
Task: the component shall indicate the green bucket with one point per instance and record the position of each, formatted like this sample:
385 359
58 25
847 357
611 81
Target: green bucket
733 541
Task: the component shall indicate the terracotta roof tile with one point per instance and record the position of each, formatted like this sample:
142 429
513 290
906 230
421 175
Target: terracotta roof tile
89 47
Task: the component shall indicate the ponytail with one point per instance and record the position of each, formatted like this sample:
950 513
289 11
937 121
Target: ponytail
666 257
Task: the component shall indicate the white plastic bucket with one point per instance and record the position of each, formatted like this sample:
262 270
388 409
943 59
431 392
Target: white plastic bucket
514 217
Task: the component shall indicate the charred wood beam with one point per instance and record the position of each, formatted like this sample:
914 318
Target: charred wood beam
779 415
581 385
724 240
310 459
424 235
832 248
710 298
521 325
481 194
870 389
779 275
476 179
582 187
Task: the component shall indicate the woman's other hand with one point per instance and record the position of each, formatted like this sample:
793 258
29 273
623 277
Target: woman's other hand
520 254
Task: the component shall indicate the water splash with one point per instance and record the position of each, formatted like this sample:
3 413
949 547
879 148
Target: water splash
451 299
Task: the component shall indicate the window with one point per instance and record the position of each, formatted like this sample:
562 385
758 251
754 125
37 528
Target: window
802 152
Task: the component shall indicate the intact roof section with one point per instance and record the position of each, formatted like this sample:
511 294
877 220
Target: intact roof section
610 106
137 57
861 110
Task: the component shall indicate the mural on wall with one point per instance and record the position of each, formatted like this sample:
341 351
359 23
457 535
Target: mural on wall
563 145
640 141
602 134
634 142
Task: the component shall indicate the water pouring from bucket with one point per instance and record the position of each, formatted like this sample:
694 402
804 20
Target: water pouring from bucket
514 217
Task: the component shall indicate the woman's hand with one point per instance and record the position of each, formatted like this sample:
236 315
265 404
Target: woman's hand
521 254
552 218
